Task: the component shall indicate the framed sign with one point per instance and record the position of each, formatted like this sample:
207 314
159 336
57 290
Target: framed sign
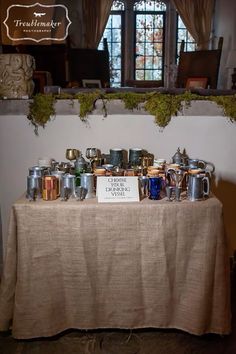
196 82
92 83
117 189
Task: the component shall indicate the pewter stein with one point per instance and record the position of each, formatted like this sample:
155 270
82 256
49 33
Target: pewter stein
198 187
34 187
58 175
135 157
116 157
87 181
143 186
68 186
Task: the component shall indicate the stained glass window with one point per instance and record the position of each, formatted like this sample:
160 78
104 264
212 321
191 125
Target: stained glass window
113 34
149 41
184 35
146 47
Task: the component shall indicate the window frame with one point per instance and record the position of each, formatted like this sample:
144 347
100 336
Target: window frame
128 39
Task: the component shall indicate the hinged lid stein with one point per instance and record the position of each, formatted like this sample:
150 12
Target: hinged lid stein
178 157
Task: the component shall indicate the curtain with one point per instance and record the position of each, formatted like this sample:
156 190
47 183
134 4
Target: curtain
95 16
197 17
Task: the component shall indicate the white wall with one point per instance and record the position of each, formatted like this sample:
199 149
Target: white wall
225 26
211 138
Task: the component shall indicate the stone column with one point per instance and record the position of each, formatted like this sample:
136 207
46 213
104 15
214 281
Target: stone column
16 73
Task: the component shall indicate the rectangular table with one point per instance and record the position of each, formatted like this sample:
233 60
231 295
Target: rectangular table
133 265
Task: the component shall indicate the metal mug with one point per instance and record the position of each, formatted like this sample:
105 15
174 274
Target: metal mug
87 181
68 186
58 175
198 187
147 160
135 156
116 157
50 187
34 187
143 186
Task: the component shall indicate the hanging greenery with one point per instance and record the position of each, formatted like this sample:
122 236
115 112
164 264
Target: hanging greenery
87 102
41 110
161 105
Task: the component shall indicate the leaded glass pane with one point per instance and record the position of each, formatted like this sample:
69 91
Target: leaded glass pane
117 5
149 62
157 74
139 62
150 5
184 35
113 35
139 74
149 44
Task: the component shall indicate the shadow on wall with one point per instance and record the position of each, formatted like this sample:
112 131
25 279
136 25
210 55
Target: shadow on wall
1 244
225 191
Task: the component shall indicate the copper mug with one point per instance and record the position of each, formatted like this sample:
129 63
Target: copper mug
50 188
58 175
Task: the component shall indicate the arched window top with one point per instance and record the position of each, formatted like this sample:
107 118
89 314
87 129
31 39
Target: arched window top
117 5
149 5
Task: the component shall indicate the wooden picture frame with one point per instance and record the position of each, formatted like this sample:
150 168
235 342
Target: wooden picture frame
196 83
87 83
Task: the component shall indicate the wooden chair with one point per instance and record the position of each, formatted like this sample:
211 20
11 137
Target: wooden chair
199 64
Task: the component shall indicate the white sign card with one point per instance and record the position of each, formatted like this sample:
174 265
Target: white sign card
117 189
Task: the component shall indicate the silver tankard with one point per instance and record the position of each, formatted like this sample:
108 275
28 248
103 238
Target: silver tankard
87 181
68 186
198 187
34 187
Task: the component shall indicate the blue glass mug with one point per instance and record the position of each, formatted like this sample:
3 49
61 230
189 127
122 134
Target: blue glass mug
155 185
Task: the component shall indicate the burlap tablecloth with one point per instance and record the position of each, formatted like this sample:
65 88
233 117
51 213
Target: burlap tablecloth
132 265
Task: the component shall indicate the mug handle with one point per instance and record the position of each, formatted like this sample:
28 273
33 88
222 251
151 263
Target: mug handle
206 183
212 170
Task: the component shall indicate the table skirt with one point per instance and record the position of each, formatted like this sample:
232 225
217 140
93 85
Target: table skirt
90 265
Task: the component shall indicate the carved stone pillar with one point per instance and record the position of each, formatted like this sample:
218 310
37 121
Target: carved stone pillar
16 72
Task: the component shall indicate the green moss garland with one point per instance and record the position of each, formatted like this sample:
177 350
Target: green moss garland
87 102
161 105
41 110
229 105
